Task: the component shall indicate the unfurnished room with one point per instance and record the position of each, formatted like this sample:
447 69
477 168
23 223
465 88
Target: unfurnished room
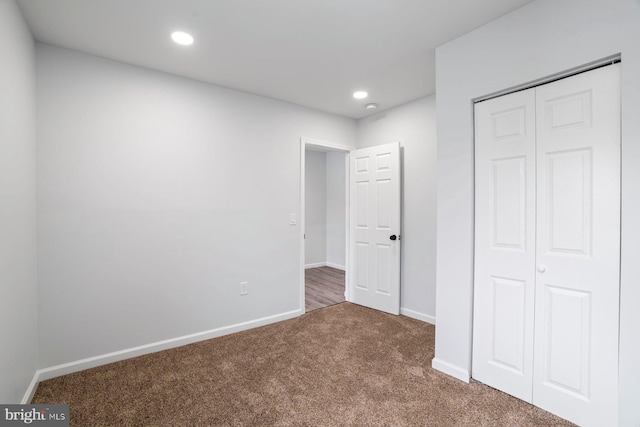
319 212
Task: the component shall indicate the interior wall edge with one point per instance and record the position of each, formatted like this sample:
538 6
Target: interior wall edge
18 209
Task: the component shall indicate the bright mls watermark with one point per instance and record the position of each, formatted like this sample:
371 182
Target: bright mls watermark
34 415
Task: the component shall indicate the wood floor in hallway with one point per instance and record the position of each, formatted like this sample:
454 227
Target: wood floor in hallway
324 286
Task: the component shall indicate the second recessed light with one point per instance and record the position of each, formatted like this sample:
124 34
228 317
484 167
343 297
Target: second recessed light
182 38
360 94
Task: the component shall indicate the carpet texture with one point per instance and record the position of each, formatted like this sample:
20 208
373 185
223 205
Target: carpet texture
343 365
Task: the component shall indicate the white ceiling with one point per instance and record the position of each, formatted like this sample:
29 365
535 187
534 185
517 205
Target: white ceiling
314 53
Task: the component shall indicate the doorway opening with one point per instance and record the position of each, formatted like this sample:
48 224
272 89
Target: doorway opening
324 223
324 286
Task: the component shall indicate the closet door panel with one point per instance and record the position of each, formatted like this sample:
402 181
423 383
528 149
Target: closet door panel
578 247
504 243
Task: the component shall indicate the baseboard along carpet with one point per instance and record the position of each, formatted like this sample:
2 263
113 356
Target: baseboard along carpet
343 365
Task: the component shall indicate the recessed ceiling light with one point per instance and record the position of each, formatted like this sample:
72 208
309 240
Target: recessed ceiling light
182 38
372 106
360 94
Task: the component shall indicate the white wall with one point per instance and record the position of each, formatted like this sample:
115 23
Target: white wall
325 196
414 125
336 209
18 286
538 40
157 195
315 201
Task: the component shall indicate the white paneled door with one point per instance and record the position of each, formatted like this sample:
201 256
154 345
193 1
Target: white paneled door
505 243
546 293
578 246
374 236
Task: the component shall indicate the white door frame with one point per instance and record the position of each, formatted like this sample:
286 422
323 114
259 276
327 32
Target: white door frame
324 146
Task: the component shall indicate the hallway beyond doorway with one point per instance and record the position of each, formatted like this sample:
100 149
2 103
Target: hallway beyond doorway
324 286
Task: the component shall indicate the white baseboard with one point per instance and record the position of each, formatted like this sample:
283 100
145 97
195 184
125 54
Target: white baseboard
92 362
417 315
336 266
325 264
31 390
450 369
315 265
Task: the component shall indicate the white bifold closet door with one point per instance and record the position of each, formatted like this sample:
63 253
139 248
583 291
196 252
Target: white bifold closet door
547 245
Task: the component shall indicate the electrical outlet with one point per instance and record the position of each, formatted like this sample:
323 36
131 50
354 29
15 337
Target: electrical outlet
244 288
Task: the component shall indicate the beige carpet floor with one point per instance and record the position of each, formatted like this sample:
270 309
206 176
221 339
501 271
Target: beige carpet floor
343 365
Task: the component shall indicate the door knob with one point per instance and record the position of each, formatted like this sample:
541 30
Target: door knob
393 237
541 269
